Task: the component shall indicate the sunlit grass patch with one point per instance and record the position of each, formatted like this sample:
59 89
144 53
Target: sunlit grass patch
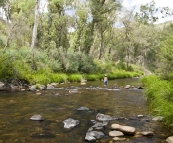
75 77
159 93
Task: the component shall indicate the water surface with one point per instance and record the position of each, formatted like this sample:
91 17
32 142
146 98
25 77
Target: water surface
16 108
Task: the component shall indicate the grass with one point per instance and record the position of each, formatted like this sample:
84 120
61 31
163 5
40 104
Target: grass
39 68
75 77
159 93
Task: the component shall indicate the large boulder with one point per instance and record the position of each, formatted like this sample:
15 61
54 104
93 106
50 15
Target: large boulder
70 123
94 135
37 118
124 129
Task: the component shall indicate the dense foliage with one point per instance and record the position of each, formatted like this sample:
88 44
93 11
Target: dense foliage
81 37
159 94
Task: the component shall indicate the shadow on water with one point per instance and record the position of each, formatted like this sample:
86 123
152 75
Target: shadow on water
16 108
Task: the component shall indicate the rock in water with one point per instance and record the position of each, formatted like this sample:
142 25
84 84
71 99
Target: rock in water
68 123
83 109
102 117
37 118
169 139
115 134
124 129
94 135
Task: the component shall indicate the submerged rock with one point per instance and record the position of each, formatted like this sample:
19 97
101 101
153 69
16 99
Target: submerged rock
119 139
69 123
83 109
145 133
102 117
37 118
73 91
98 124
94 135
159 118
43 135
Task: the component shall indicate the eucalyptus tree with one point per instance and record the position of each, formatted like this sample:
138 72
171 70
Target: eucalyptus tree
100 20
18 28
149 13
34 35
2 2
146 46
56 28
128 26
80 24
165 64
107 23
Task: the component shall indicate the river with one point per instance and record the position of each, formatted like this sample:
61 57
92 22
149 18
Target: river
17 107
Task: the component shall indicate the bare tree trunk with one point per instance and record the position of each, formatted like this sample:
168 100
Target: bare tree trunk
101 46
34 34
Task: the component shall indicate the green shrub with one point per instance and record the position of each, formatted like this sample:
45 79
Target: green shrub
7 65
93 77
46 78
75 77
160 96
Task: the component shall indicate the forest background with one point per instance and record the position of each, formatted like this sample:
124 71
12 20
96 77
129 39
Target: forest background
75 39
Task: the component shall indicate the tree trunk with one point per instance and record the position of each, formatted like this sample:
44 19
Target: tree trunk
34 35
101 46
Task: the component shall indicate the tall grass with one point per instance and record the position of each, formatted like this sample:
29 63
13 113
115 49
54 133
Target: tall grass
75 77
160 96
47 78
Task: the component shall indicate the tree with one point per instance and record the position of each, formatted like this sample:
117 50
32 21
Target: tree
34 35
18 29
166 51
149 13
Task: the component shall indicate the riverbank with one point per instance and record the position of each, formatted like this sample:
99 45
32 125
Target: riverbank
159 95
61 78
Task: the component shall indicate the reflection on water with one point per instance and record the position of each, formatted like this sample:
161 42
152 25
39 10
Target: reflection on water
16 108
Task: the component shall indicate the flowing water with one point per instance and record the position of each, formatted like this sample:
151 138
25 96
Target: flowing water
16 108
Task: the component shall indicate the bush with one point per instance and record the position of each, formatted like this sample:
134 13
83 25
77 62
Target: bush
46 78
75 77
94 77
159 94
7 67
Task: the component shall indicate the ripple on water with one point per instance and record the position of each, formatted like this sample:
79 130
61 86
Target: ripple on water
16 108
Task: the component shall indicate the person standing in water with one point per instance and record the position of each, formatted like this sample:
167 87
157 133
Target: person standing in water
105 80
